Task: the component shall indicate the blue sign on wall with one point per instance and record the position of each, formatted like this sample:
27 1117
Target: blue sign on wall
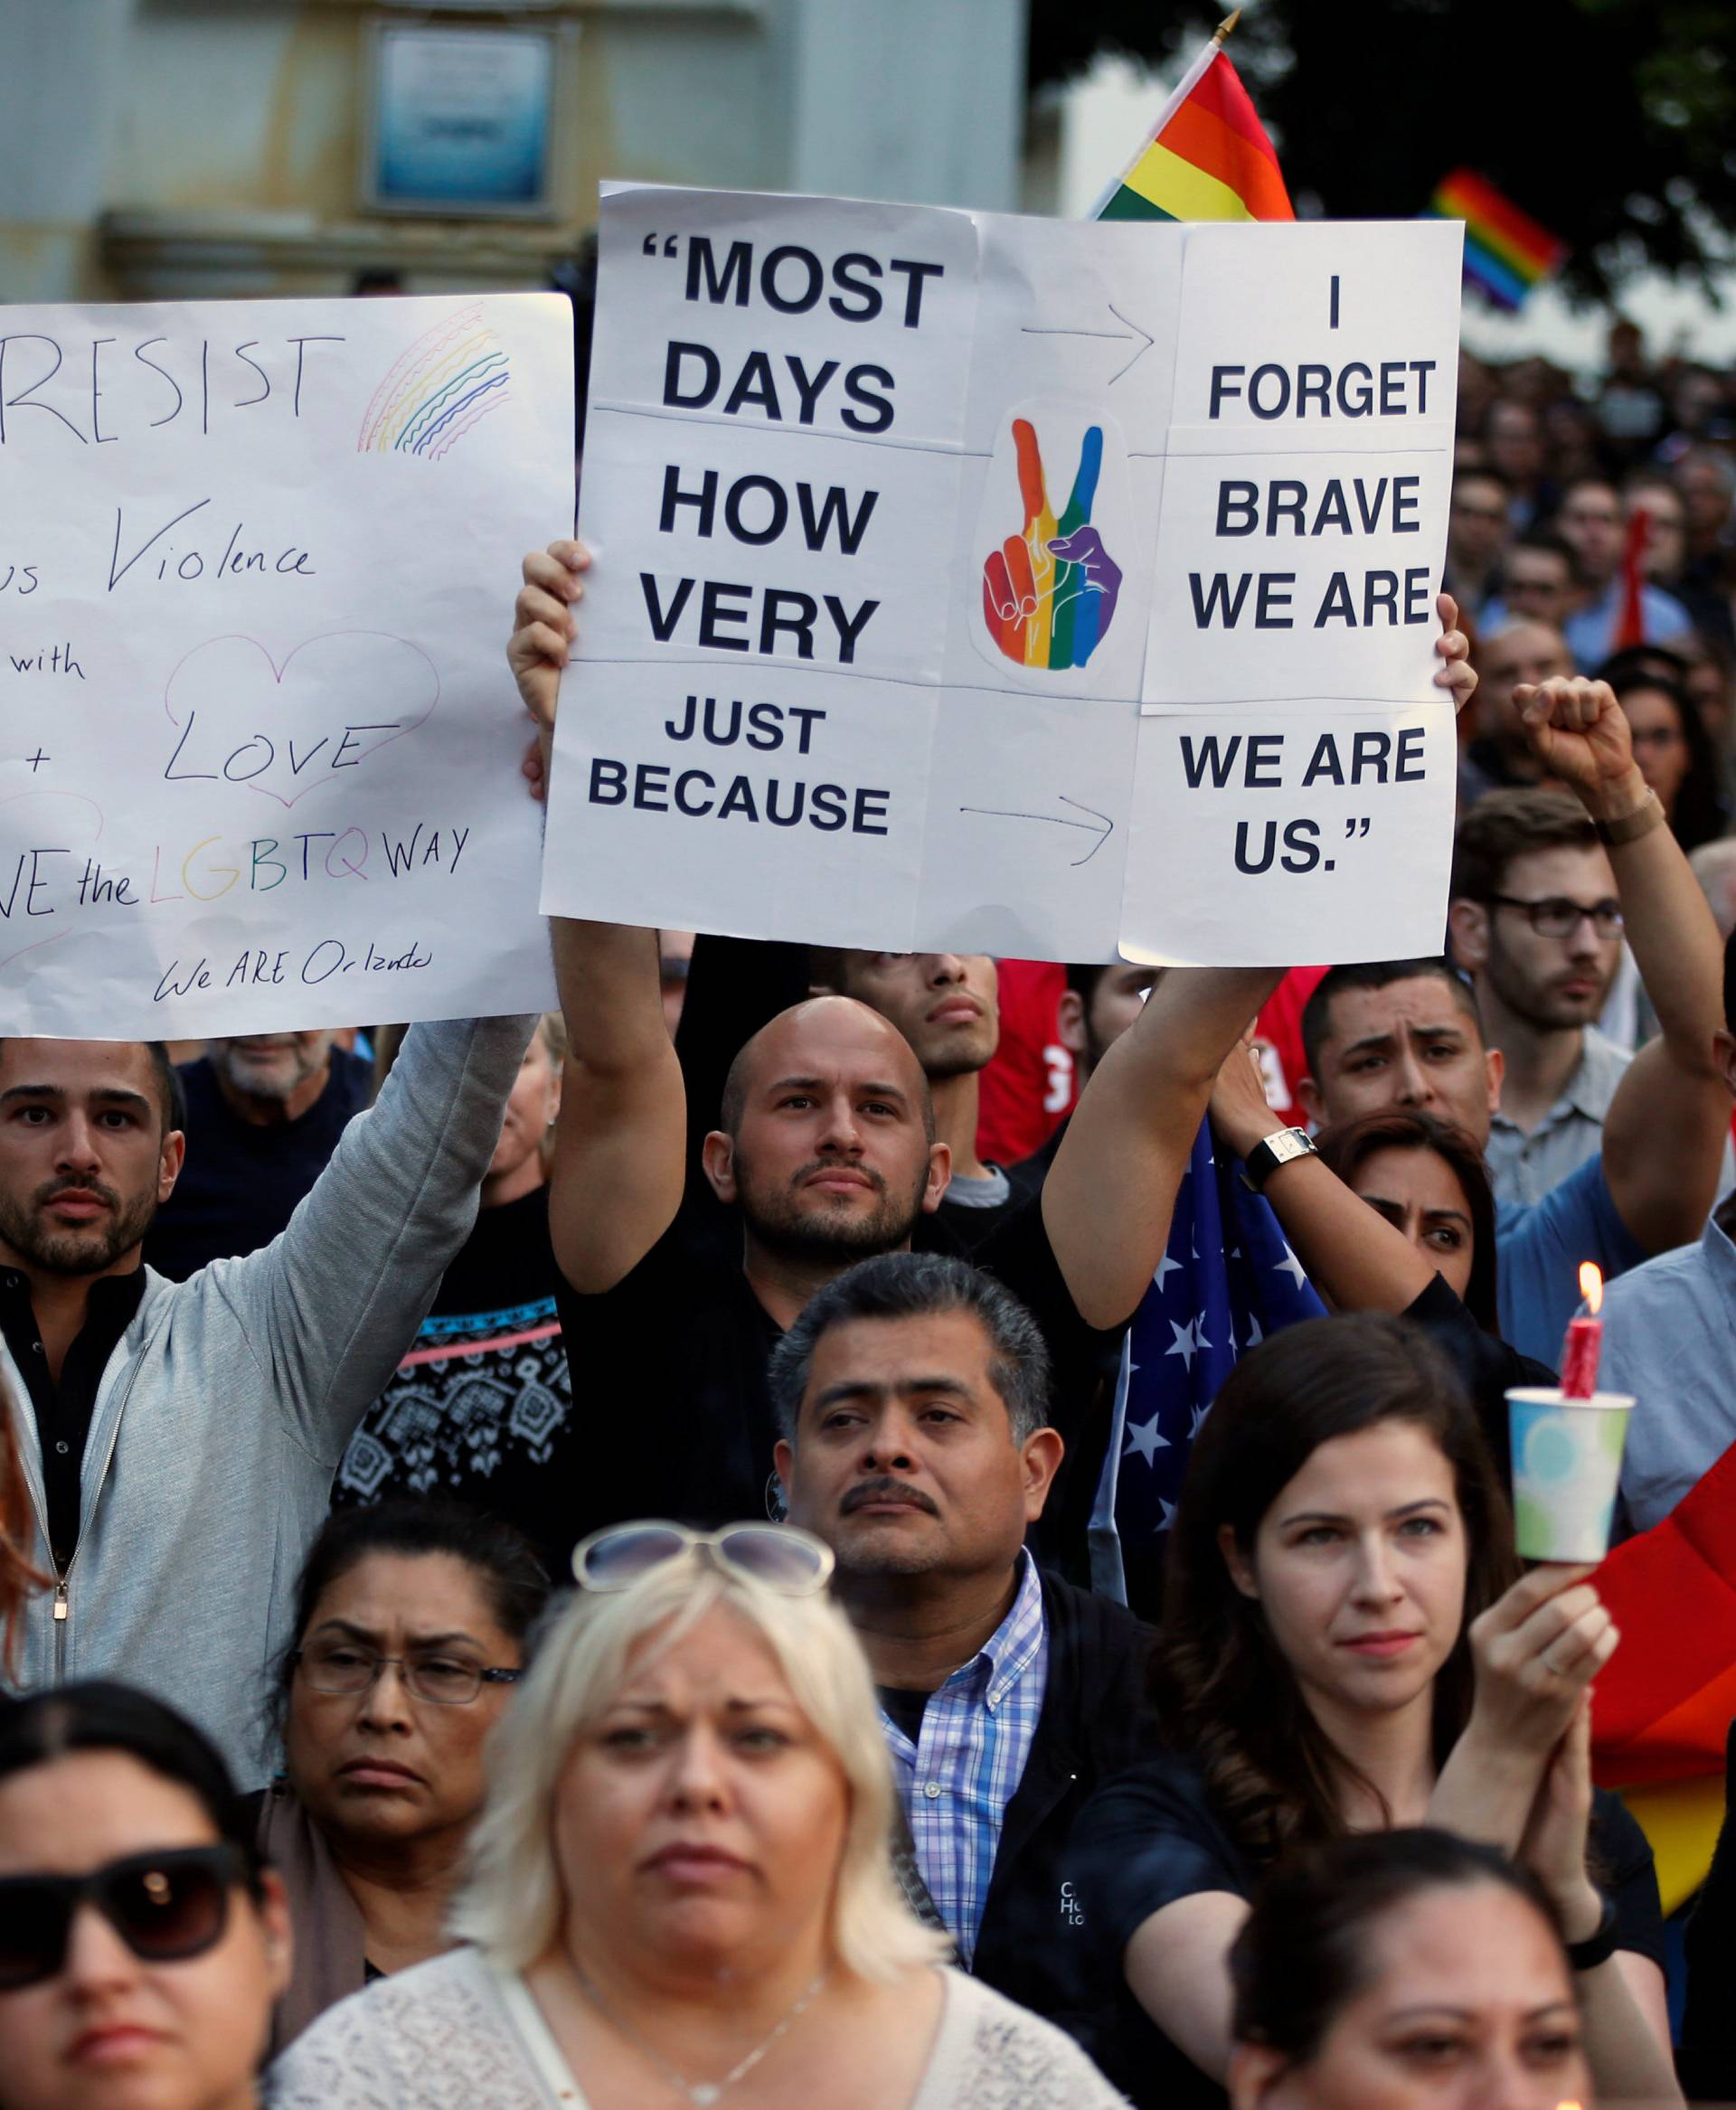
462 120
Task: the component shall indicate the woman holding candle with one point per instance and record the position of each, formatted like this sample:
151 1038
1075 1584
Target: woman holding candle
1346 1648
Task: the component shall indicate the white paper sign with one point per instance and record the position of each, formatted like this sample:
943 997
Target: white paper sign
258 747
913 527
1290 813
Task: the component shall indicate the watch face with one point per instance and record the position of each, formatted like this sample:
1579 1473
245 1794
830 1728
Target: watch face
1291 1144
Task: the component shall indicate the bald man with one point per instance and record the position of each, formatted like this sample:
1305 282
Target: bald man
825 1152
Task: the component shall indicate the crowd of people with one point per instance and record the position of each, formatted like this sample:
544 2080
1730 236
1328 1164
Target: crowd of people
903 1529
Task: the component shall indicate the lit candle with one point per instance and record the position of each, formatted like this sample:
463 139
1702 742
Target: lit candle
1584 1340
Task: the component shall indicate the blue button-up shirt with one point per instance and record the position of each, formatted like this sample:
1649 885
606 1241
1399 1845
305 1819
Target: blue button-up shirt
977 1732
1669 1337
1525 1163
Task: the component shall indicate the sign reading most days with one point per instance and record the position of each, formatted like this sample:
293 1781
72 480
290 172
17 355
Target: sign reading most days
1008 585
258 753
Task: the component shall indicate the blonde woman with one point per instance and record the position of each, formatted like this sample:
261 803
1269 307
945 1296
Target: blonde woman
680 1891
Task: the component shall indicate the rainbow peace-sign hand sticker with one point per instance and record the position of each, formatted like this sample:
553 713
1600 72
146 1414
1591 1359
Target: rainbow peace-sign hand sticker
1049 593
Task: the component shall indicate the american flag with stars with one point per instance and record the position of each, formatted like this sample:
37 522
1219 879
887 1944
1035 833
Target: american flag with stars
1227 1279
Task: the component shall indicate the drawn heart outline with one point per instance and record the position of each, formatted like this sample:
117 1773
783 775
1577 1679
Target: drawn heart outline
397 661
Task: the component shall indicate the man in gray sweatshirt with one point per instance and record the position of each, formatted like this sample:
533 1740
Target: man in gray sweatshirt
179 1439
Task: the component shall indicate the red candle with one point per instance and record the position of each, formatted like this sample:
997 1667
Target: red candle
1584 1340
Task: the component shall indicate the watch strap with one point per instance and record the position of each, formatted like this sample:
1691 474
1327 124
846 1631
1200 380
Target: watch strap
1630 826
1598 1947
1281 1148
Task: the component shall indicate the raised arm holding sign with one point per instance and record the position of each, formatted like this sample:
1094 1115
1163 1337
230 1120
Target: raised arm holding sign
616 1182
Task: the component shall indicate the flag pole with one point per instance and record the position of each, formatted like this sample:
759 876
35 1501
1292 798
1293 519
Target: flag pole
1184 87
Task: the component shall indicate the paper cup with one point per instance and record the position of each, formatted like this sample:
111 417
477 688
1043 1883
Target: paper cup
1566 1464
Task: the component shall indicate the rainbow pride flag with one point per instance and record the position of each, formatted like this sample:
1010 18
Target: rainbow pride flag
1207 157
1506 253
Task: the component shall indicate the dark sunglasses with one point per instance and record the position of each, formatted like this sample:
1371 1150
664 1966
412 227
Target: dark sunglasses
165 1906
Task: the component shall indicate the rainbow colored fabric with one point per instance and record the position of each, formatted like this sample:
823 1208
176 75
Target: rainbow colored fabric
1506 253
1208 157
1664 1699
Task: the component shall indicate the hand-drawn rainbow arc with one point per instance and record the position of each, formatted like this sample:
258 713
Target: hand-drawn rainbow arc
439 389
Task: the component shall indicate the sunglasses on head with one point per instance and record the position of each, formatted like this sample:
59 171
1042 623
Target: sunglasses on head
165 1906
777 1555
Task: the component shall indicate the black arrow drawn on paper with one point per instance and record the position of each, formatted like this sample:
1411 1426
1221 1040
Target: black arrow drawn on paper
1124 336
1058 821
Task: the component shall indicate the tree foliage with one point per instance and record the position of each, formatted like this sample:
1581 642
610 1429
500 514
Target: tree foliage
1612 122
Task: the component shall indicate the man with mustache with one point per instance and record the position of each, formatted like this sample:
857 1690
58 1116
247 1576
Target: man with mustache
912 1397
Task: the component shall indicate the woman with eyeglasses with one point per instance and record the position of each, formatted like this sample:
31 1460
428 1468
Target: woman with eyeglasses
1404 1970
1347 1647
410 1635
680 1889
142 1939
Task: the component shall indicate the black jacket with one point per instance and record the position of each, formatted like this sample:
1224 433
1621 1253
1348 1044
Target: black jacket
1093 1725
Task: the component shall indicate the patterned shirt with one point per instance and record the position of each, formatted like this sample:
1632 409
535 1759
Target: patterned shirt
480 1407
976 1736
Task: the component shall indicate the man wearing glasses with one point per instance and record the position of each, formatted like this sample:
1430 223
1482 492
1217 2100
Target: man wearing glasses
1536 924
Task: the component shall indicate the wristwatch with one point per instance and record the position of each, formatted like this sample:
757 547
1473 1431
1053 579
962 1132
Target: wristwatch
1282 1149
1599 1947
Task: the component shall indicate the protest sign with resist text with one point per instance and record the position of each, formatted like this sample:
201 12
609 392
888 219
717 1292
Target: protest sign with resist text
259 751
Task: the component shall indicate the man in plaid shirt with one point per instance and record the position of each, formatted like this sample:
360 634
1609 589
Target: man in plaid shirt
912 1393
